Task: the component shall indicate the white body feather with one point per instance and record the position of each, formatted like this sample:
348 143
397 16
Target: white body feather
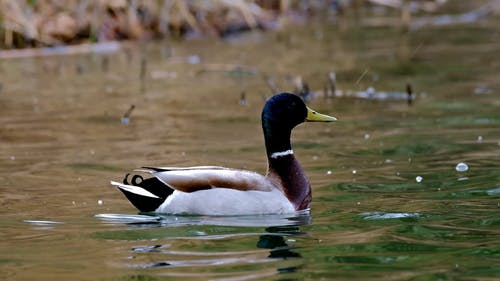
224 201
260 195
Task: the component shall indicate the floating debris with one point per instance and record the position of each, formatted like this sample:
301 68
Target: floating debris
371 94
142 73
419 179
480 139
99 202
331 87
230 69
468 17
330 90
126 117
243 98
409 93
461 167
329 172
362 76
302 89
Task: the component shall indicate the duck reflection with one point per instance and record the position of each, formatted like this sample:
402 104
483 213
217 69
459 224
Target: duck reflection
279 232
276 242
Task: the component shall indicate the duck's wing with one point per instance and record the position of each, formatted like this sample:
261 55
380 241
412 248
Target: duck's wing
190 179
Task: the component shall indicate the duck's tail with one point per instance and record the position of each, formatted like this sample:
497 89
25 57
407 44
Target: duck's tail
145 194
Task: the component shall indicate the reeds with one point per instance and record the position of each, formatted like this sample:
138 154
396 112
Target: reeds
36 23
52 22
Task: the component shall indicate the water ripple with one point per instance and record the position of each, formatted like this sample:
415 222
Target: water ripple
173 221
388 216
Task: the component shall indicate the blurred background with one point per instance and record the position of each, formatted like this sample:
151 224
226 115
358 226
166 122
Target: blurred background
406 184
38 23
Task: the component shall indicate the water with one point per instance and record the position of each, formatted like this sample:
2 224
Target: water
62 141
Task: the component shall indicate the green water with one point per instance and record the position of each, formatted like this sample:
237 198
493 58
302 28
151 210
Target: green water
62 142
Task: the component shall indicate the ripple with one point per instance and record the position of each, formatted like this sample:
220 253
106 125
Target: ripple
42 222
388 216
205 262
300 218
127 219
494 191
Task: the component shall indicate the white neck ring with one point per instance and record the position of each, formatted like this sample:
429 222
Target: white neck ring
279 154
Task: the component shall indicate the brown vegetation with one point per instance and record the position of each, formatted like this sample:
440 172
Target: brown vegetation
36 23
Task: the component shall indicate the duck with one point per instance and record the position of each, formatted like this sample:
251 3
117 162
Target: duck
221 191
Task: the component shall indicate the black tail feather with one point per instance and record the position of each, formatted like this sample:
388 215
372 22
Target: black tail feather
153 185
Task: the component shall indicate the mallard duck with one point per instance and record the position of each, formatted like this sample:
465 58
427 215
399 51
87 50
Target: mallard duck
211 190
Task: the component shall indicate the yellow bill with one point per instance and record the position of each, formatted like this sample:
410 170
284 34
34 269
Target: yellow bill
313 116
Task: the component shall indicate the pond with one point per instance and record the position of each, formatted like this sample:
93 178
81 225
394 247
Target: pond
389 202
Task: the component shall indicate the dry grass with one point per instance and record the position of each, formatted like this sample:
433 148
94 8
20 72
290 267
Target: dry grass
34 23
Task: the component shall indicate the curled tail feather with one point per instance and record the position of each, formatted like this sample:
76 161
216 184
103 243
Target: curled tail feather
145 194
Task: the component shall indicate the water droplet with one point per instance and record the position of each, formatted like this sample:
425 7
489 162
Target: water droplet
99 202
461 167
329 172
419 179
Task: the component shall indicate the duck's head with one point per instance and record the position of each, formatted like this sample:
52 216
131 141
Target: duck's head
281 114
288 110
